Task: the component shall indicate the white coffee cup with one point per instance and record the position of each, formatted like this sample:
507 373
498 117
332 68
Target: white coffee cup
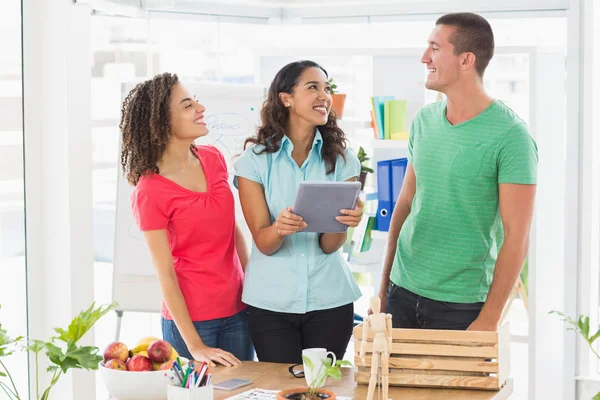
316 356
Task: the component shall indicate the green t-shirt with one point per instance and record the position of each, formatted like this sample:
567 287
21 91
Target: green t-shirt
449 243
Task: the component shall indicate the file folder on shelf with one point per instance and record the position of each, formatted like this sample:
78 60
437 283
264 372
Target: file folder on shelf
384 195
390 177
398 172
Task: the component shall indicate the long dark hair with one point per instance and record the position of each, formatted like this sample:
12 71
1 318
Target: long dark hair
146 126
275 117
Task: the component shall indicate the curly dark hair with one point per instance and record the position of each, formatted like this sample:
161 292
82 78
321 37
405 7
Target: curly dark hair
275 117
146 126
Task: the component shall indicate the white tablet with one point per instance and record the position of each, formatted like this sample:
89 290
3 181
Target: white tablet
318 203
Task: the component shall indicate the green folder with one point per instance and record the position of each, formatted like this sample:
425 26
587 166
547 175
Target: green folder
394 120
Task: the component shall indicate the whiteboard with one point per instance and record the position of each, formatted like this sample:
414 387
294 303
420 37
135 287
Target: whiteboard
232 114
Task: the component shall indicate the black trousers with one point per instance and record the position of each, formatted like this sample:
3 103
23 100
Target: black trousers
409 310
281 337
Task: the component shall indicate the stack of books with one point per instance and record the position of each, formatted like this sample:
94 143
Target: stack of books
388 118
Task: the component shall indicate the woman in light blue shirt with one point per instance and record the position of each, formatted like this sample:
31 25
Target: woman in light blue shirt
297 284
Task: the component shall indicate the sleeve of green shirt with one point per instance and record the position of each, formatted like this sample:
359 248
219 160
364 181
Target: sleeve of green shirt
518 157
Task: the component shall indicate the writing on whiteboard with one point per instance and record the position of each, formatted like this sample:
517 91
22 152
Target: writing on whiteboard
230 124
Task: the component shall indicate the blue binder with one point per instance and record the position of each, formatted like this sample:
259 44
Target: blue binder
384 195
398 172
390 177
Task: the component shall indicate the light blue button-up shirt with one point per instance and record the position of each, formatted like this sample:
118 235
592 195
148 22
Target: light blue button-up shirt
298 277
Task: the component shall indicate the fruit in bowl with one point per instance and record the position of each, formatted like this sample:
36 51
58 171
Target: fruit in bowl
116 364
138 378
160 351
139 363
116 351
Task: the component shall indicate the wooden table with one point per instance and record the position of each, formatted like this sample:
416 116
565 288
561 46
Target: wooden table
276 376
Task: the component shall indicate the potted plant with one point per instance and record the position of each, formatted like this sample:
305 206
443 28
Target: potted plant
337 100
313 392
582 326
63 352
364 170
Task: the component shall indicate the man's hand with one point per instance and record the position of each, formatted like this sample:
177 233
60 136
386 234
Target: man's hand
483 324
383 300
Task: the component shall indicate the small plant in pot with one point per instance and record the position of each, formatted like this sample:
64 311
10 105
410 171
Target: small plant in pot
338 100
582 326
63 352
364 170
314 391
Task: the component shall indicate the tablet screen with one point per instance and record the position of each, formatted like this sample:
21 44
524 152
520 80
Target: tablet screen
318 203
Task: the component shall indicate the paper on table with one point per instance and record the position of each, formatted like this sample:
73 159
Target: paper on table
263 394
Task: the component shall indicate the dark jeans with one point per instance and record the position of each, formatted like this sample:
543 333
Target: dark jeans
281 337
409 310
230 334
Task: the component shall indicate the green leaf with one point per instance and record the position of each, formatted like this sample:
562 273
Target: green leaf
82 323
2 374
332 85
593 338
7 344
596 397
85 357
340 363
334 372
308 363
327 362
584 326
36 346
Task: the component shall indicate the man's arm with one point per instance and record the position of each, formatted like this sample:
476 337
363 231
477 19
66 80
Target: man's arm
401 212
516 210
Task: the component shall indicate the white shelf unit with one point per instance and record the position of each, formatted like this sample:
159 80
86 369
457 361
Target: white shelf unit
389 144
371 261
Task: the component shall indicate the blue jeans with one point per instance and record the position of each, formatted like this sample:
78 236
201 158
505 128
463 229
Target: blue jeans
409 310
230 334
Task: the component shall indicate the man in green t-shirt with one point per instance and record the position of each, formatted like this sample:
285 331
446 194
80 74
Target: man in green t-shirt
459 233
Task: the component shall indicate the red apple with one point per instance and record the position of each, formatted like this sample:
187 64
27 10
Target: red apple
116 351
160 351
116 364
139 363
166 365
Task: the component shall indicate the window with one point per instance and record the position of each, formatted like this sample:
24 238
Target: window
13 296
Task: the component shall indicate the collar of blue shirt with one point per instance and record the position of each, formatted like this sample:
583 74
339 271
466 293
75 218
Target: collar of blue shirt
289 146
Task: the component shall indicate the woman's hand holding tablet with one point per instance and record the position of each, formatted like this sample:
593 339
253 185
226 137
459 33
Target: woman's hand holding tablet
328 206
288 223
352 217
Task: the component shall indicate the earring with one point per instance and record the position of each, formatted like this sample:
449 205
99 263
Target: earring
287 104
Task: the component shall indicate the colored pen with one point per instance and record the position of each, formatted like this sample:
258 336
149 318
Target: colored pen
178 371
185 377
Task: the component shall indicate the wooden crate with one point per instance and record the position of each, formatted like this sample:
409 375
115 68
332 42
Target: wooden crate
441 358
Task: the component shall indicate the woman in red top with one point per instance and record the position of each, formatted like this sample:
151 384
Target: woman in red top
183 204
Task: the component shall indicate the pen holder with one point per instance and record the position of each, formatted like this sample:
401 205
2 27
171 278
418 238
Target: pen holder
200 393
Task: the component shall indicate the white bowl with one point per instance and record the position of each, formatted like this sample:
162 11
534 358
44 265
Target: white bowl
134 385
